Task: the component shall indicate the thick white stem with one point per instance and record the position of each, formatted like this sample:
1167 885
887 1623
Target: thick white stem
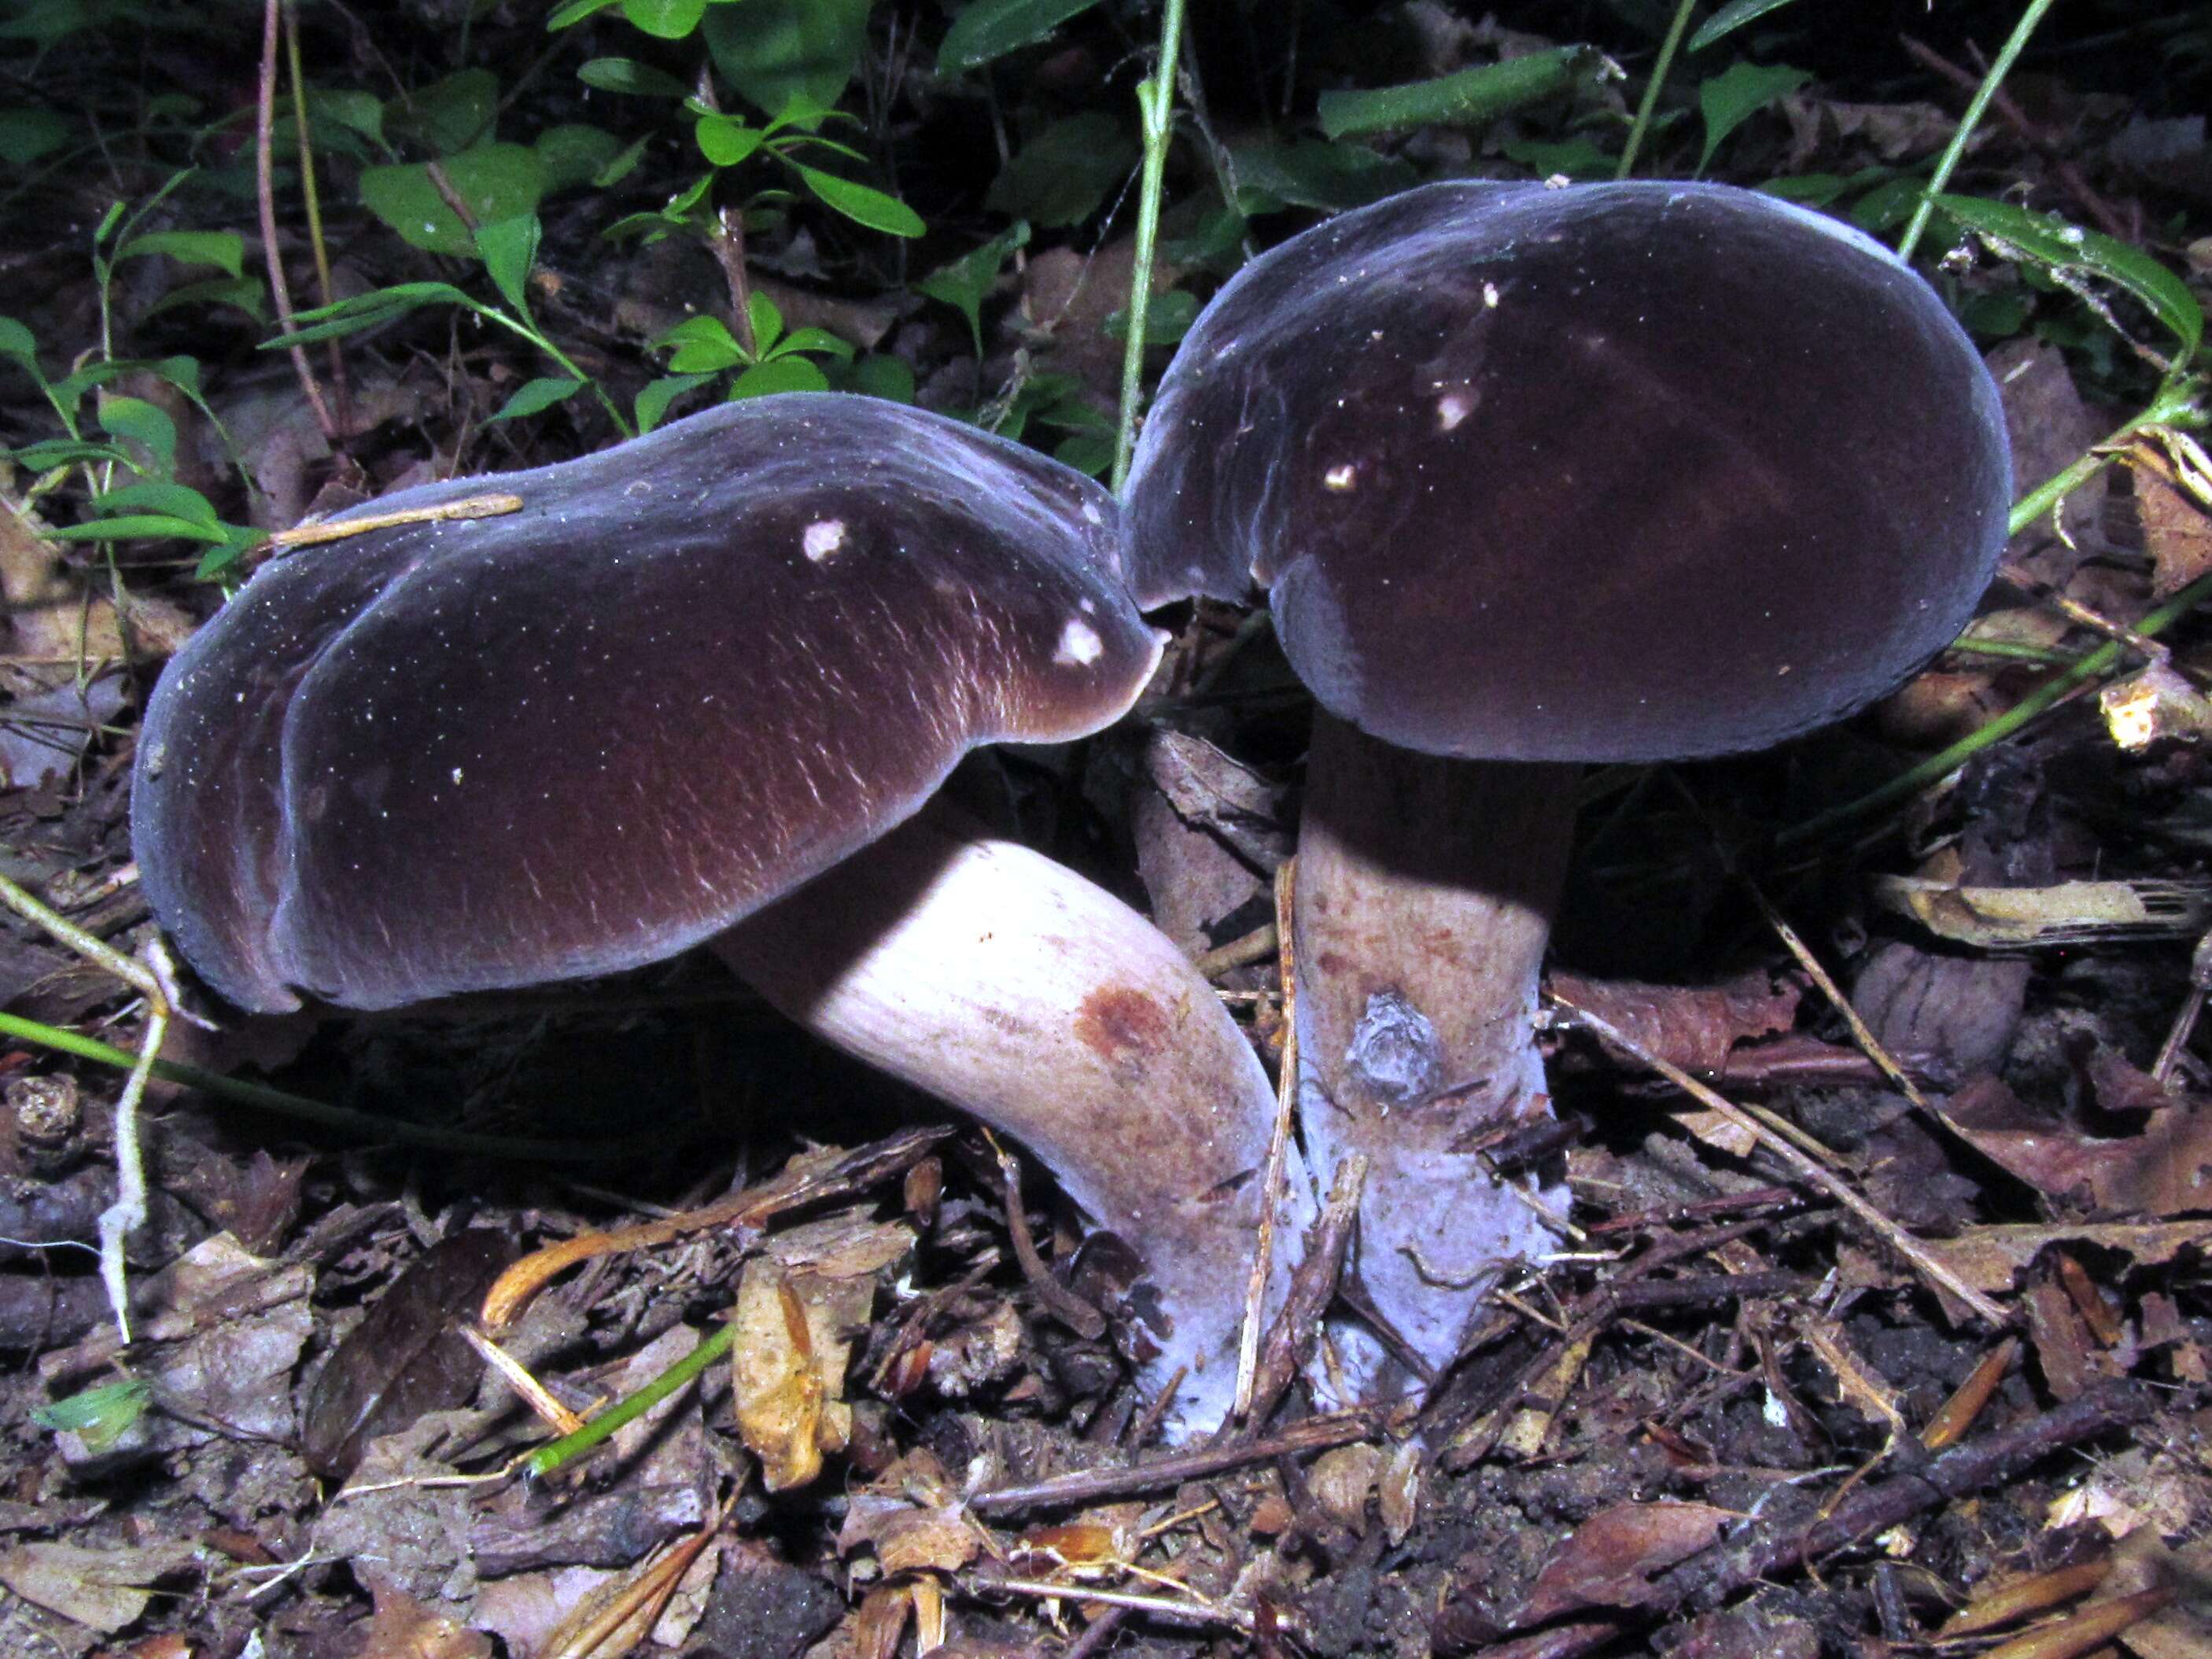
1425 895
1006 984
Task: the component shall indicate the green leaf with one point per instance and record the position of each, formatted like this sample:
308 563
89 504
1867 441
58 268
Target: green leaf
1730 18
132 525
879 374
63 451
726 141
574 12
2047 241
770 49
1063 174
967 281
619 167
157 495
497 181
246 293
991 29
629 76
369 310
766 320
702 345
27 134
1472 98
448 115
99 1417
784 374
19 343
653 402
145 423
665 20
1168 318
813 339
1313 174
509 247
1579 157
534 396
223 249
864 205
354 112
1739 92
1086 452
574 153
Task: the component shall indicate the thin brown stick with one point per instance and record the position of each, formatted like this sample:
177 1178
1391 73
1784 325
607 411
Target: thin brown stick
311 198
317 534
265 128
1062 1304
1091 1486
1278 1143
1291 1339
1929 1266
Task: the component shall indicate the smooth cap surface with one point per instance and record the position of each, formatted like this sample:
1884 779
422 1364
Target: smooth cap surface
693 671
1618 472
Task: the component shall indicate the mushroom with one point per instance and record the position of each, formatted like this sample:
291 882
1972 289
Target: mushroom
697 689
1534 476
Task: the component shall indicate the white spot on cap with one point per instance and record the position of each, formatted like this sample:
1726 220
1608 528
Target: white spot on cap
1453 408
823 539
1078 643
1340 477
1092 515
457 775
1489 296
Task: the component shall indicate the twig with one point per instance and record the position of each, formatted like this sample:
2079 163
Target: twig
311 199
1161 1606
513 1289
1808 1167
1710 1577
339 530
1313 1287
1090 1485
1869 1044
1071 1309
265 195
1278 1142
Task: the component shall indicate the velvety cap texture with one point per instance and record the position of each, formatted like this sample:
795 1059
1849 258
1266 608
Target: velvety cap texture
1606 472
692 671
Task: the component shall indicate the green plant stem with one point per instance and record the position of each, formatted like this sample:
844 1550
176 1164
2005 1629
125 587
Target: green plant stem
2053 692
1660 67
528 331
1156 109
2029 16
319 1112
2013 650
546 1459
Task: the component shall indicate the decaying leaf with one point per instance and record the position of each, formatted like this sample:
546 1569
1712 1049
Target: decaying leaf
1612 1557
2155 703
2069 913
2161 1167
403 1628
1993 1258
102 1589
1692 1026
912 1517
792 1343
1343 1479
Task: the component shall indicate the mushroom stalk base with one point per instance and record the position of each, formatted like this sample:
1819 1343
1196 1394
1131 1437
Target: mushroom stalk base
1001 981
1424 896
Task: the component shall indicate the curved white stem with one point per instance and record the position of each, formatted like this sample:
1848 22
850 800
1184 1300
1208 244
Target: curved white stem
997 980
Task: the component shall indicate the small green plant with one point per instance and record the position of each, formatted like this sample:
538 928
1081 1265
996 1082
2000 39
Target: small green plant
701 348
124 450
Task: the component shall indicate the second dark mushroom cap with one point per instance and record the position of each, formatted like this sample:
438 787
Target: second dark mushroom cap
1615 472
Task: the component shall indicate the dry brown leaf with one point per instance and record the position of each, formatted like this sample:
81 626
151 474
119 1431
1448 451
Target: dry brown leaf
1612 1557
102 1589
1400 1496
2176 530
1990 1258
1694 1027
2163 1168
403 1628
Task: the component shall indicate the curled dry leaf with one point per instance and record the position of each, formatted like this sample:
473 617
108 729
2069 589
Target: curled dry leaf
102 1589
913 1518
1612 1557
1343 1479
789 1367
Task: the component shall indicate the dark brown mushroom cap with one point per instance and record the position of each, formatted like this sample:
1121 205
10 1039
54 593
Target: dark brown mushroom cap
692 672
1608 473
